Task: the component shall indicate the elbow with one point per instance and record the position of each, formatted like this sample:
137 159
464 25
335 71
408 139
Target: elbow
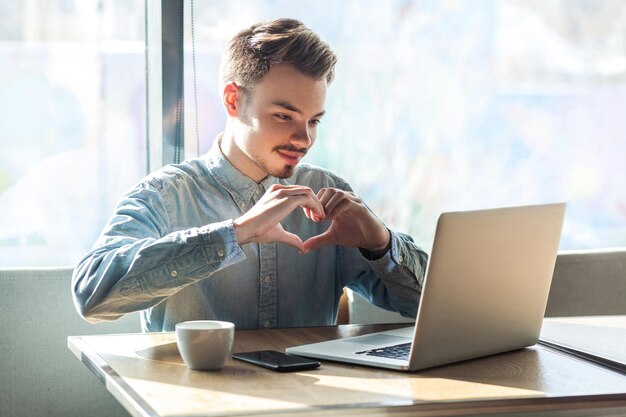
85 302
91 311
94 314
84 308
87 312
80 296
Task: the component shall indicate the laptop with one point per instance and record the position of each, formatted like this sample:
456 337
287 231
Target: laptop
485 292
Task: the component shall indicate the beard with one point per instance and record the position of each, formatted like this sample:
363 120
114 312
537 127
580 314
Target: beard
284 171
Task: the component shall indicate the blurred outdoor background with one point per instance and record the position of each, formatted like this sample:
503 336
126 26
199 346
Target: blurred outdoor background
437 106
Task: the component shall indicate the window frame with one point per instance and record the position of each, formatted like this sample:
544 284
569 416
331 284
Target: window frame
165 104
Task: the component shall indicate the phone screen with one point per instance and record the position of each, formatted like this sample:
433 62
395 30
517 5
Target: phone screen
277 361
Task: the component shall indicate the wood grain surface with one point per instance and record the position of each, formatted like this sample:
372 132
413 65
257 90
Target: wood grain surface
146 374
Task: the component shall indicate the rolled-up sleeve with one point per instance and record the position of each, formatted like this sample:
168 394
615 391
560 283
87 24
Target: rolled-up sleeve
396 279
136 263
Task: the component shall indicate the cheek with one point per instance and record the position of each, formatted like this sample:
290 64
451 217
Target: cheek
247 138
272 130
261 136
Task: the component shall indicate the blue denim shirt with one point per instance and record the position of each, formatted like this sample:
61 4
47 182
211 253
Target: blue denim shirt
170 250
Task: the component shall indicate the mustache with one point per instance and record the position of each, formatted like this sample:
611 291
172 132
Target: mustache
290 148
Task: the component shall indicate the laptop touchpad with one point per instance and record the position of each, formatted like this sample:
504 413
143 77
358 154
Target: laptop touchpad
377 339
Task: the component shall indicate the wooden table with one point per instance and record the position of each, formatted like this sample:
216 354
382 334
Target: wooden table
146 374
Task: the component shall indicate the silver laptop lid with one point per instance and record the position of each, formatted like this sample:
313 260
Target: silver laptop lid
487 283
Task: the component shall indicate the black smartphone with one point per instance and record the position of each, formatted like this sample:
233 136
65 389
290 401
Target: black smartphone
277 361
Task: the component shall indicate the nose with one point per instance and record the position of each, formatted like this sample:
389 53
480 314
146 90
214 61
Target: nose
303 136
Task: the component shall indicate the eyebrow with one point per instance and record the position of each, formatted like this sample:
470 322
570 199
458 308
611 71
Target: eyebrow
288 106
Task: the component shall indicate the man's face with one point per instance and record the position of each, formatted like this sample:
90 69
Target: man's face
277 122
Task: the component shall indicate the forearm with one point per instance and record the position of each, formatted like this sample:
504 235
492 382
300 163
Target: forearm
400 276
126 274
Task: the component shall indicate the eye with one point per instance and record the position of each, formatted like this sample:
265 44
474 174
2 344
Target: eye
282 116
315 122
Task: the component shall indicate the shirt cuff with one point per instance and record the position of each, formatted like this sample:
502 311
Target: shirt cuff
389 260
220 243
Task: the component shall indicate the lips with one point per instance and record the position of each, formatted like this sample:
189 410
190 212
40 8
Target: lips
290 157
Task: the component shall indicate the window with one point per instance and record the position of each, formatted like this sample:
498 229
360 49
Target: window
436 106
72 77
457 105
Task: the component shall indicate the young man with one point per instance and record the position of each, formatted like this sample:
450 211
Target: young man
246 233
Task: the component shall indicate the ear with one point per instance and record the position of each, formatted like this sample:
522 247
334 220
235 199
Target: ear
229 98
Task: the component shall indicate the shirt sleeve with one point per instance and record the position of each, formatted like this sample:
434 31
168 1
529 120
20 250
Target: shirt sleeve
392 282
396 279
137 262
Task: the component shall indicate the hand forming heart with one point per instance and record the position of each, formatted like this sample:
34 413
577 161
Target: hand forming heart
353 224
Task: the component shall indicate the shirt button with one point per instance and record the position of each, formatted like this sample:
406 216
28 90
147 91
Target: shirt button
267 280
220 253
174 273
267 324
400 259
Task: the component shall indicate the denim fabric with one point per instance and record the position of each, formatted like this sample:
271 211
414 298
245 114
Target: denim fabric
170 250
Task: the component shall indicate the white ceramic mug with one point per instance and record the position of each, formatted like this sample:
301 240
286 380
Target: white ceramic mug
205 345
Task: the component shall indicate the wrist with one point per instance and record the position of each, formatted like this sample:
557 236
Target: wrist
241 233
377 252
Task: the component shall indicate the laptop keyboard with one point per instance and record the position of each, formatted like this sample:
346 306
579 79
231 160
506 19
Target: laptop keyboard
400 351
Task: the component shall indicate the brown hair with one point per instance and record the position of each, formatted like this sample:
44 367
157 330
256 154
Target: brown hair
252 52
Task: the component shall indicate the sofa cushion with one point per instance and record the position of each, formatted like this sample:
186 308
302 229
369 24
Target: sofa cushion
588 283
40 376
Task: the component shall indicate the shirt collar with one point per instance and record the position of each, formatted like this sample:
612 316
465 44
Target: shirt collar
241 187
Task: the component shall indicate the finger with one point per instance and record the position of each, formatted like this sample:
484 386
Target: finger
284 203
275 187
312 205
302 196
291 188
325 194
343 200
340 208
291 240
310 214
288 192
330 200
325 239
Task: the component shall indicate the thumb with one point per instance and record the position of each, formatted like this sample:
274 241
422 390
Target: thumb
325 239
291 240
